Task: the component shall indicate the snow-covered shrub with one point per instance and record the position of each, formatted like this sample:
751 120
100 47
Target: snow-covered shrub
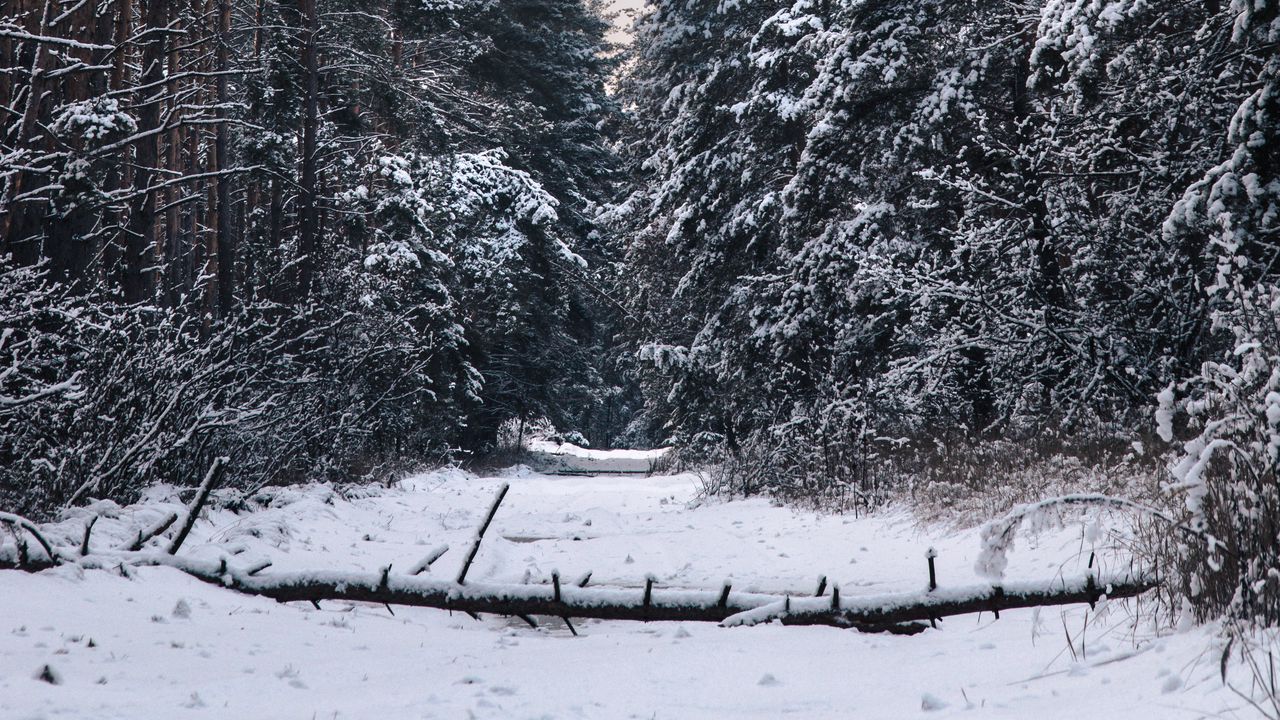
1228 470
1228 415
38 382
100 400
515 433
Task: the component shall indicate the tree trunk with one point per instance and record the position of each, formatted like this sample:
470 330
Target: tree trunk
139 242
878 613
308 216
225 242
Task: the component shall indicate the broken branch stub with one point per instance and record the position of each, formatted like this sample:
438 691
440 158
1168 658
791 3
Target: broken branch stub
211 480
145 535
475 547
425 563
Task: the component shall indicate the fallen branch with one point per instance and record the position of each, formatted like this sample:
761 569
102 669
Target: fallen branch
145 535
897 612
20 523
211 479
475 547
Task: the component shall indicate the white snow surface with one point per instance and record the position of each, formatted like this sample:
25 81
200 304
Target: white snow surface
161 644
551 456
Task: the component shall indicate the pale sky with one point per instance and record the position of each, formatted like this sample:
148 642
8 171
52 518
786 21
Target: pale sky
623 21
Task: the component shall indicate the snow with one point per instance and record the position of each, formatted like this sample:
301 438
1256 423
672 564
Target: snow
161 644
553 456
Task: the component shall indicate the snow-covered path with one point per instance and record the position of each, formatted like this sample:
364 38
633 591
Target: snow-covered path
159 644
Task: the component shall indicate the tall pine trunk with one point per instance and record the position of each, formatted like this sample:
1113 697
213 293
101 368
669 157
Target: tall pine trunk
139 242
308 219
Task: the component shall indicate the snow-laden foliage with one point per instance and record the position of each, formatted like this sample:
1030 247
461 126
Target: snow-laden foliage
1226 418
317 237
92 121
101 400
888 234
1227 468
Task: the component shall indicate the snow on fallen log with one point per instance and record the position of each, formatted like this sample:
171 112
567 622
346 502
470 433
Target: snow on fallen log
891 612
928 605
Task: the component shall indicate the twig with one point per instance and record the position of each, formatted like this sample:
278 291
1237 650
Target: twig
424 564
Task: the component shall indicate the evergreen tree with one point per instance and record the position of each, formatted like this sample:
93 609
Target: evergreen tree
919 225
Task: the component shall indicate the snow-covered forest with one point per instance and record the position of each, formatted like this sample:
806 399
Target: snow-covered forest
961 307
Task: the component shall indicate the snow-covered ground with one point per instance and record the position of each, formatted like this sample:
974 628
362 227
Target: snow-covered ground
564 457
160 644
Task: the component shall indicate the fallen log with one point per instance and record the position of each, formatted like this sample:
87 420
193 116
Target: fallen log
928 605
898 612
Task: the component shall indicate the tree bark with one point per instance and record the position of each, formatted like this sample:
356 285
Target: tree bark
223 230
139 242
308 216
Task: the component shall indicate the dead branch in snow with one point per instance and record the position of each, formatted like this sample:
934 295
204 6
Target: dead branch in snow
202 496
903 612
88 530
424 565
145 535
898 612
475 547
19 523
